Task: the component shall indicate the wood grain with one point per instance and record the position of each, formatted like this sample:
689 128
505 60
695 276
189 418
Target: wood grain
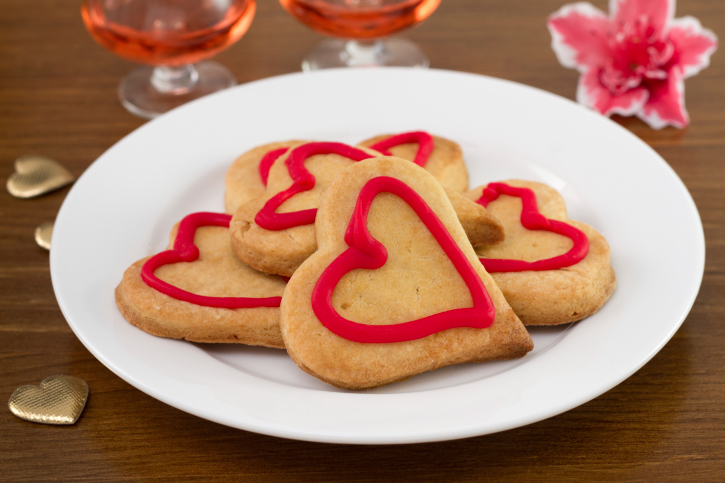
58 98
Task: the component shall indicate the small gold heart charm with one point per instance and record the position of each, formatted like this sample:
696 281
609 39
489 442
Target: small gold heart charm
36 175
58 400
43 234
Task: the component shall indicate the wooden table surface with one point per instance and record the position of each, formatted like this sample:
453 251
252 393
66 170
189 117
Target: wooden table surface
58 98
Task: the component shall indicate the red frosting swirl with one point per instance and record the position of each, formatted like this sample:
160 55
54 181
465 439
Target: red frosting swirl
303 180
184 250
367 253
423 139
532 219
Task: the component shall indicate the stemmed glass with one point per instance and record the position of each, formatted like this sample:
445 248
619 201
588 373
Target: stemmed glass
361 27
174 37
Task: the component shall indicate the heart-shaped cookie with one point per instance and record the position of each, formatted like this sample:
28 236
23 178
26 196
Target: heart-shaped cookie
36 175
57 400
185 250
287 209
552 270
269 218
532 219
367 253
395 288
199 291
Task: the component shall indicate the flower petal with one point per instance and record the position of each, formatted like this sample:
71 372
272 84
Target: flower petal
579 36
666 103
693 44
592 93
657 12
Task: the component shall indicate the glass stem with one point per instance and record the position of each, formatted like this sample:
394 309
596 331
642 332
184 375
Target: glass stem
359 53
175 80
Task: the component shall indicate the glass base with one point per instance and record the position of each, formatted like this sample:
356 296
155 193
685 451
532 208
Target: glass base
354 53
151 91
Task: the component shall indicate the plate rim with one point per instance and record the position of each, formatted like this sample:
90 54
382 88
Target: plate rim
369 439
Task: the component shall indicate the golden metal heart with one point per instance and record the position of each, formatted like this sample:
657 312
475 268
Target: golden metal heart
43 234
58 400
36 175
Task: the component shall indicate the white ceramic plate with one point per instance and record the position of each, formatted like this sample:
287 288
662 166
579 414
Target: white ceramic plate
124 205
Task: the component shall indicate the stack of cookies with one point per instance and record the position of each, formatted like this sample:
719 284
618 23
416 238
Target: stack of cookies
372 263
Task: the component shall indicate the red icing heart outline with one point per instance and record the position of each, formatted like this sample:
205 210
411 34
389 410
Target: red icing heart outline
184 250
532 219
367 253
303 180
423 139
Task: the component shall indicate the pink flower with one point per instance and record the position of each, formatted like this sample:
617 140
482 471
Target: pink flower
634 62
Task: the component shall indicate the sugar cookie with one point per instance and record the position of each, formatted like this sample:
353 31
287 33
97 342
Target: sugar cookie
395 288
553 272
199 291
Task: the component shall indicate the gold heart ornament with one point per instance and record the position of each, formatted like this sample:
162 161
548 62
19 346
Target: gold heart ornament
43 234
36 175
58 400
